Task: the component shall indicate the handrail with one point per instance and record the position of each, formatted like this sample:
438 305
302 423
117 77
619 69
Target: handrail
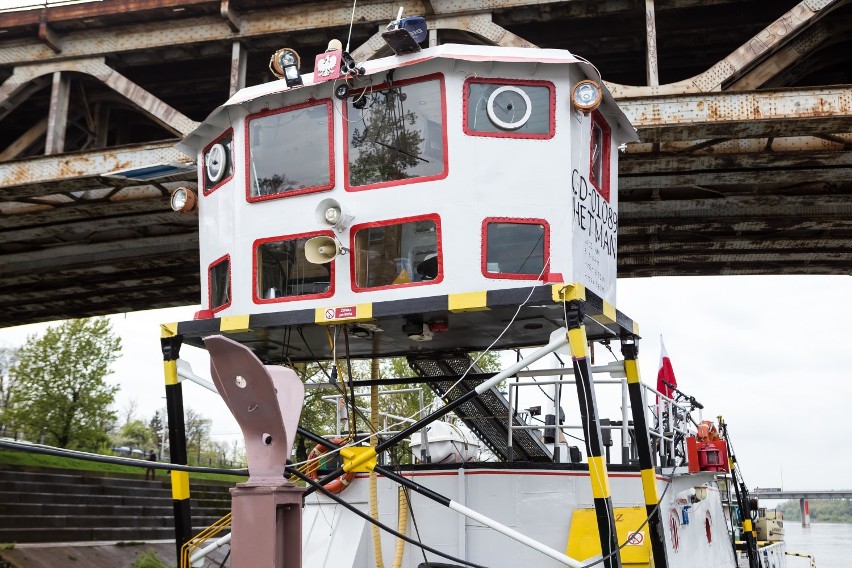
671 419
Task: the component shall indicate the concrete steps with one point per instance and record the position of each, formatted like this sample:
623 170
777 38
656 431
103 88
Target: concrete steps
71 507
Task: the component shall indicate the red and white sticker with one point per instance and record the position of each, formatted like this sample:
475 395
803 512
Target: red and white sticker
636 539
345 312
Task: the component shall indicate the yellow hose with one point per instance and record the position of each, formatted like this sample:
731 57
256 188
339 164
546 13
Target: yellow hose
401 526
402 501
374 498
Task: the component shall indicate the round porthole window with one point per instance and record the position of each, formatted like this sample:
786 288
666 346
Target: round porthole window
216 162
509 107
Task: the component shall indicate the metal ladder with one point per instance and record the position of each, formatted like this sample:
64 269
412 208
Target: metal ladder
486 415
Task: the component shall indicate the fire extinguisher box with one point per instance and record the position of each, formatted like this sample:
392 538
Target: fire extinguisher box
707 456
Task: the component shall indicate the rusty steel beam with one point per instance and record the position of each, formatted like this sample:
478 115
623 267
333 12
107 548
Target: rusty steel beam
736 207
804 244
91 10
743 58
72 256
286 19
82 211
154 108
633 164
788 112
479 24
24 141
57 118
16 176
740 268
728 179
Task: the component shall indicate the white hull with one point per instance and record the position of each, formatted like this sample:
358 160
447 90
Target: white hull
539 503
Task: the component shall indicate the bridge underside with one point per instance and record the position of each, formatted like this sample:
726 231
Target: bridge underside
743 107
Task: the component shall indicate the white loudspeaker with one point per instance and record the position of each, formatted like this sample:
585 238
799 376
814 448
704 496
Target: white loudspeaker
330 214
321 250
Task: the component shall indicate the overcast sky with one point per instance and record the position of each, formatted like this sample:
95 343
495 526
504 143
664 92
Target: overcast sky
770 354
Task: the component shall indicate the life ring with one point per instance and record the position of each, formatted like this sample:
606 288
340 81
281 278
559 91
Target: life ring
339 484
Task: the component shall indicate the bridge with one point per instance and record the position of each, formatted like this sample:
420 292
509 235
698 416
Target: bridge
803 496
744 110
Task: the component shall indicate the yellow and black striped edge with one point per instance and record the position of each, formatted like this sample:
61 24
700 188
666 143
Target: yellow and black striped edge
598 475
643 450
600 311
174 403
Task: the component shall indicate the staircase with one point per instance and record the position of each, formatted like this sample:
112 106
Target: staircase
68 506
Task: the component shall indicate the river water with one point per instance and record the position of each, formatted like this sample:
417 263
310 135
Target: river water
829 543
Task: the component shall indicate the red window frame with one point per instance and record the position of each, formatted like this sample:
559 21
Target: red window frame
599 120
330 122
254 269
517 221
203 174
216 262
400 221
508 133
441 175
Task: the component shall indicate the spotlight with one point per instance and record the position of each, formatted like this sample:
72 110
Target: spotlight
404 35
184 200
284 64
586 96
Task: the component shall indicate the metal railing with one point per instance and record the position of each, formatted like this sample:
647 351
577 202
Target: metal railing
669 420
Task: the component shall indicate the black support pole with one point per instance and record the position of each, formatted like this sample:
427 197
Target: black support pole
630 350
592 430
170 345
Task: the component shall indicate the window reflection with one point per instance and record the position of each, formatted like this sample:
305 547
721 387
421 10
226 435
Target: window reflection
515 248
596 169
219 277
397 254
283 271
396 133
289 151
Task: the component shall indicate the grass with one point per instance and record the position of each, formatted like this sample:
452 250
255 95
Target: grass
21 459
149 559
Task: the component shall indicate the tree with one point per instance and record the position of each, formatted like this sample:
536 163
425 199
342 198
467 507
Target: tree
60 383
136 434
8 357
197 428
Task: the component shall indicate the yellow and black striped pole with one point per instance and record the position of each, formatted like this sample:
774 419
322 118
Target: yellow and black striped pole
643 447
170 344
592 430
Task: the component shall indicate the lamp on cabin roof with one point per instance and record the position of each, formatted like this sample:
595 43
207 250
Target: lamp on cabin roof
284 64
586 95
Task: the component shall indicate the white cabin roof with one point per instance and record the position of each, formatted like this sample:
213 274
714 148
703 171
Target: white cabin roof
219 120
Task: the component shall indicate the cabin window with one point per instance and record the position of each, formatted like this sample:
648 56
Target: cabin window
396 134
290 151
515 248
401 252
219 284
599 155
282 272
509 108
217 162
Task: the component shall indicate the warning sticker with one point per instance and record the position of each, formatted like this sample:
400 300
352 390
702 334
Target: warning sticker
345 312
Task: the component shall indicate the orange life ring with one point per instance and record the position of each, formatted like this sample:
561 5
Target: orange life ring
339 484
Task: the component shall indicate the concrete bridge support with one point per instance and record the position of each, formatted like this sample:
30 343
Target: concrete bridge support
806 512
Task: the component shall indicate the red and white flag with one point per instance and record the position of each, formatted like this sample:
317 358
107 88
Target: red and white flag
666 373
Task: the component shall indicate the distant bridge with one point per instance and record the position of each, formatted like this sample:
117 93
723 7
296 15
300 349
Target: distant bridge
803 496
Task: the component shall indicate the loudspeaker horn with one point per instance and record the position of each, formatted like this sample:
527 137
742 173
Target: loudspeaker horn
322 250
330 213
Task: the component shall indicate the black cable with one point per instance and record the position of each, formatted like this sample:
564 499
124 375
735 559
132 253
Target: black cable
313 356
382 526
228 555
353 429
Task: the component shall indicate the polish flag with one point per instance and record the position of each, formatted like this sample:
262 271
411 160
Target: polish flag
665 373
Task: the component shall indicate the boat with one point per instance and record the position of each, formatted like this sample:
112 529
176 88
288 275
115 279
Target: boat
431 205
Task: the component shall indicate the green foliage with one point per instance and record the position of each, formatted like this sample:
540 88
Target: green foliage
135 434
148 559
60 388
825 510
8 358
